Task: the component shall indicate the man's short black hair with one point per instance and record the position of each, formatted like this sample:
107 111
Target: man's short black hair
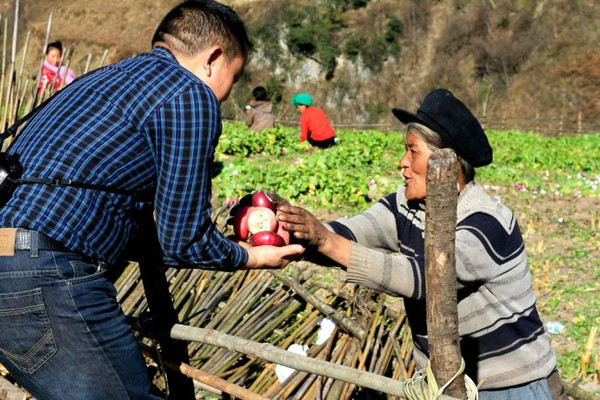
260 93
54 45
195 25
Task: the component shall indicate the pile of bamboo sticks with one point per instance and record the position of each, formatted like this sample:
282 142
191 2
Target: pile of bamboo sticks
257 306
261 306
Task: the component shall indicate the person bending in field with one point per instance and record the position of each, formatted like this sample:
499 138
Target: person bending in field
314 125
259 113
52 60
140 134
503 340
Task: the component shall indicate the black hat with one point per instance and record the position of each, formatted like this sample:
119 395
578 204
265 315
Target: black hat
456 125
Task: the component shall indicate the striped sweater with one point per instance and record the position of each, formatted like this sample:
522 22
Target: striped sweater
502 337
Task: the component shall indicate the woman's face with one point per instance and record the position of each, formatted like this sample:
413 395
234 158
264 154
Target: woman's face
53 56
414 165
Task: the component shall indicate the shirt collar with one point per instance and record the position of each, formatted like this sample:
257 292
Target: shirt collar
164 52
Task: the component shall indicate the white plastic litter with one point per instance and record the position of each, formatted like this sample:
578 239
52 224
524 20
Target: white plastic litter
555 327
283 372
325 331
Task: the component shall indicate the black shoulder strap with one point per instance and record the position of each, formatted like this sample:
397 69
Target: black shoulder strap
80 185
138 195
13 129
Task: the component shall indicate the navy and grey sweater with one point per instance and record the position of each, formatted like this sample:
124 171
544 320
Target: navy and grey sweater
502 337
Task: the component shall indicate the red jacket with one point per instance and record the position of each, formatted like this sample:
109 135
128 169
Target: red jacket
313 120
49 72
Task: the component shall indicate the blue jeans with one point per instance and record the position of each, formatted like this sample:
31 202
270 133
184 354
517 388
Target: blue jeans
536 390
63 334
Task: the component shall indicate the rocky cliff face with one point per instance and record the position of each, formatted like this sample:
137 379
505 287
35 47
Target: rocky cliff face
523 64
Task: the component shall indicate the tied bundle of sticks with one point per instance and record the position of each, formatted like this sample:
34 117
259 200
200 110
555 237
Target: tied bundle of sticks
282 308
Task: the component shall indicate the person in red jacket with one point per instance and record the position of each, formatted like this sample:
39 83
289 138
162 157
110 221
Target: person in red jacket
51 62
314 125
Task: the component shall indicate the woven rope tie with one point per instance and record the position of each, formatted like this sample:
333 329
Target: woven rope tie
423 386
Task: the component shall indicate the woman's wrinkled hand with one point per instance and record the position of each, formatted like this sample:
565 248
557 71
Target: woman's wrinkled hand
277 199
303 225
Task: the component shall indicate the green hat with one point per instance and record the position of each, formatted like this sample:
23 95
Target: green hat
302 99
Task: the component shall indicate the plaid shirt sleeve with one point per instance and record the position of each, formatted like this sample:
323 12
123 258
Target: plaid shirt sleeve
184 133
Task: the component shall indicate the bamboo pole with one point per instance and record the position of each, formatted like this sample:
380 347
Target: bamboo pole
258 336
388 349
63 78
87 64
3 20
309 382
25 50
11 77
440 271
376 345
284 390
103 59
39 74
273 354
333 388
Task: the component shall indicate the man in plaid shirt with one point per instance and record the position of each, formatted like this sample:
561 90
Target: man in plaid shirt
148 124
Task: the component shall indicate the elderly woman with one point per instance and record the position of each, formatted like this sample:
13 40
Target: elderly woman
502 337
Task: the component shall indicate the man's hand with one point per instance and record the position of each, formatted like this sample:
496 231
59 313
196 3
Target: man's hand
271 257
303 225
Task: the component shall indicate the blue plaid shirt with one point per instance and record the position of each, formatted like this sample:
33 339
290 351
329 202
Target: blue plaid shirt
145 123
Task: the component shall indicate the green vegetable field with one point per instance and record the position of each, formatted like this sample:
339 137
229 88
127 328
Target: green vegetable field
365 166
551 183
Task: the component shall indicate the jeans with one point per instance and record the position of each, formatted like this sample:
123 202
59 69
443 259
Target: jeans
63 334
536 390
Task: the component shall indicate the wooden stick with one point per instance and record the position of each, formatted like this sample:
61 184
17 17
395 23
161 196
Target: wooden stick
348 324
376 345
4 43
11 74
39 74
87 63
103 59
20 76
214 381
440 274
273 354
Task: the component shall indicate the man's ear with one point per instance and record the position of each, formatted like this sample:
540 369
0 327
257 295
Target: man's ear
215 53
